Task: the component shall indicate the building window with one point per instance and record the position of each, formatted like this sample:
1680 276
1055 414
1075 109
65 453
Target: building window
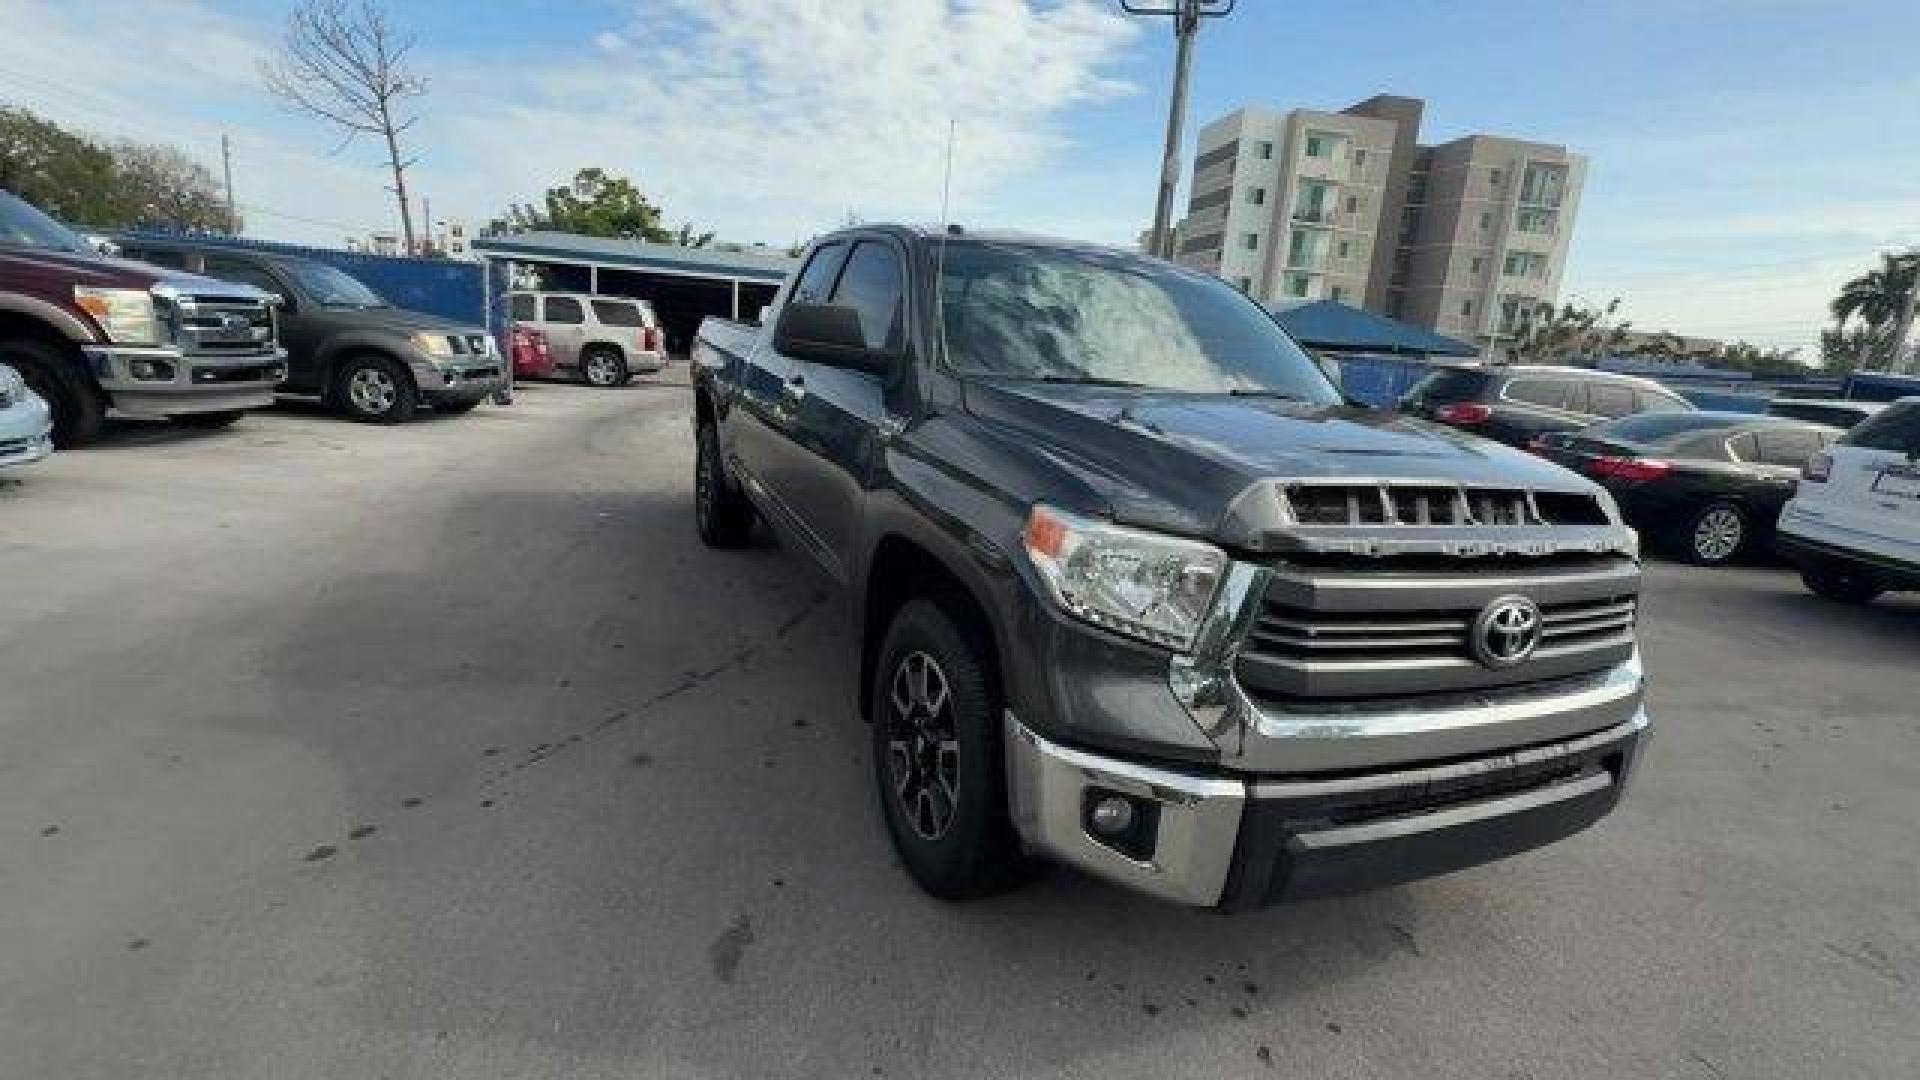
1477 264
1244 284
1319 146
1543 185
1251 241
1466 309
1527 264
1257 196
1338 294
1539 222
1264 150
1343 249
1486 222
1359 160
1494 177
1353 204
1298 284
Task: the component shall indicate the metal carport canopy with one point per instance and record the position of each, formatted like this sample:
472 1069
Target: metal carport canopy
1330 326
601 252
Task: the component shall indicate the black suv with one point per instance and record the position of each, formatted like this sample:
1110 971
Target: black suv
344 343
1518 404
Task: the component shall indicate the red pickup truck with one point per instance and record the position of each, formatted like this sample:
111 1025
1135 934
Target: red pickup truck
92 334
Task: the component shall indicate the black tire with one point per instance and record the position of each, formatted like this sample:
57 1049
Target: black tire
721 511
210 421
938 761
1840 587
79 412
1715 535
456 408
375 389
603 366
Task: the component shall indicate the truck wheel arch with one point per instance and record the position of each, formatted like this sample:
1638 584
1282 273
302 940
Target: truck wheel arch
901 569
42 318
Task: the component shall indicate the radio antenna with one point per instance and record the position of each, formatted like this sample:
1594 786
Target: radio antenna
940 257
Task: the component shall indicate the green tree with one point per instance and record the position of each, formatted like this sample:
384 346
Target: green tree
594 204
1757 359
1844 350
1876 296
1570 333
106 187
687 238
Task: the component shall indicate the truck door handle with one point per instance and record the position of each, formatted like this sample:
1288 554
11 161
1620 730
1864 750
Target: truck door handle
792 392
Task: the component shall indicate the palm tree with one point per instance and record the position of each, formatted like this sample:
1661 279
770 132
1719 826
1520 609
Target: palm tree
1877 296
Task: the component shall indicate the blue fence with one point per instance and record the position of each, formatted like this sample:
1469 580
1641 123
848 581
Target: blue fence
446 287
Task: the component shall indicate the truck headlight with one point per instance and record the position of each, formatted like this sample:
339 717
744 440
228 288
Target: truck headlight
1146 585
125 315
433 344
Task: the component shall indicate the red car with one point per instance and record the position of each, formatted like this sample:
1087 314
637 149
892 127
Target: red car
531 357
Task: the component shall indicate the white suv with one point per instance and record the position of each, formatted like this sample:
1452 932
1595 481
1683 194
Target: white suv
604 340
1853 528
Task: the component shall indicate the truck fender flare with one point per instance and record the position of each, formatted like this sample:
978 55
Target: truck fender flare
974 560
69 327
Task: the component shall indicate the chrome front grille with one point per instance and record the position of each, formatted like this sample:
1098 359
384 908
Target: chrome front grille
223 326
1344 504
1357 632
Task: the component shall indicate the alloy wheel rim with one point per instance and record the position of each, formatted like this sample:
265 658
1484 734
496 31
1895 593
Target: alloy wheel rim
1718 534
923 750
372 390
600 370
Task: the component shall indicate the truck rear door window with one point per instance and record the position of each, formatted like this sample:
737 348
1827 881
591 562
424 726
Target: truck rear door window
565 310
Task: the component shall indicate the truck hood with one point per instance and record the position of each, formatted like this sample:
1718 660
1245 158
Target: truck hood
1177 461
398 320
100 271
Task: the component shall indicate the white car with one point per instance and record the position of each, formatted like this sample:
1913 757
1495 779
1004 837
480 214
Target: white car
604 340
26 424
1853 526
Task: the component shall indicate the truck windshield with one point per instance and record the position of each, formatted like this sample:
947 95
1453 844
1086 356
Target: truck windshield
23 226
1084 315
332 288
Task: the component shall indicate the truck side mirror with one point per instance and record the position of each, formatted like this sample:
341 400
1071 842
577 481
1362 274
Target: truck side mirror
830 334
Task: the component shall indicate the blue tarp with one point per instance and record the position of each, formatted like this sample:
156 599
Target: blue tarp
1330 326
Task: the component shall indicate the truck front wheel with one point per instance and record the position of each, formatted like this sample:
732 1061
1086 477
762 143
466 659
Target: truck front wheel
937 755
721 511
78 410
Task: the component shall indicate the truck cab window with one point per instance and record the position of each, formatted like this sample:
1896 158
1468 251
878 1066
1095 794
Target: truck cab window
816 281
872 286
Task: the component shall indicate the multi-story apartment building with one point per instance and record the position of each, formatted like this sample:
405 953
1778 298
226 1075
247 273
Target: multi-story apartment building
1464 238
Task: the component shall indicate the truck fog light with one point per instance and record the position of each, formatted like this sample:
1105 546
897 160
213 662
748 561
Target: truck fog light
1111 816
151 370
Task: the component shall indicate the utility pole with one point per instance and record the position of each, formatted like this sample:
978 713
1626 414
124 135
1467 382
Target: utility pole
1186 24
226 162
426 215
1898 362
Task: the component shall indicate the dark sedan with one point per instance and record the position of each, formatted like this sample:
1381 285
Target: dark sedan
1705 485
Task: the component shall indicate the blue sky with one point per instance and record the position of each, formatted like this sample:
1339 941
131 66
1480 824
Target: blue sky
1745 156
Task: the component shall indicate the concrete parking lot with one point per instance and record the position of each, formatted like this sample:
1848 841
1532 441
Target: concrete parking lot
447 751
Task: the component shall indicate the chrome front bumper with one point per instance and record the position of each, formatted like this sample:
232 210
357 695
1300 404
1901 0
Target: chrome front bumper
167 382
443 382
1246 841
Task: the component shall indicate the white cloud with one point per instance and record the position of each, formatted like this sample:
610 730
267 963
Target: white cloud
765 119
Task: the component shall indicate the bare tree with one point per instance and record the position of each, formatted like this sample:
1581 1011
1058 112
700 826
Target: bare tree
345 65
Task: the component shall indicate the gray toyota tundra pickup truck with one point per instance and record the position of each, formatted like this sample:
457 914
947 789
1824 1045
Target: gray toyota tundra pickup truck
1135 590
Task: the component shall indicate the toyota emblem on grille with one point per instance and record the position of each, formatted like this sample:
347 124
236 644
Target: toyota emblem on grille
1506 632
